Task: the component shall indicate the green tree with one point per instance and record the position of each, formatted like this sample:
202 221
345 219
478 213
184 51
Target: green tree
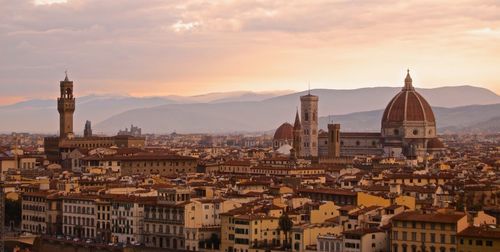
285 225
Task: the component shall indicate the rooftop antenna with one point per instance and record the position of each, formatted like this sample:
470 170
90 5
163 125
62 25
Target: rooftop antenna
309 88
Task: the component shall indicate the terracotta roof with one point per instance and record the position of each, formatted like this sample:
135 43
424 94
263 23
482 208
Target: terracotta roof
480 232
284 132
364 210
435 143
155 156
328 191
408 105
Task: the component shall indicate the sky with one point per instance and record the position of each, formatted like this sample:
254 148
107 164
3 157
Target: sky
189 47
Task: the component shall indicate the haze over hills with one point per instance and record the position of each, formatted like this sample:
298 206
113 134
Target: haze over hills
484 118
270 113
235 111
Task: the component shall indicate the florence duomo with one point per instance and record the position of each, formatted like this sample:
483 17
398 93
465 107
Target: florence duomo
408 129
185 126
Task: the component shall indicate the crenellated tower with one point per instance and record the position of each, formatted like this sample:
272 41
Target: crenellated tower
66 108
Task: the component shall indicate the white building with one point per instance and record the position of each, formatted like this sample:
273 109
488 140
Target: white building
80 216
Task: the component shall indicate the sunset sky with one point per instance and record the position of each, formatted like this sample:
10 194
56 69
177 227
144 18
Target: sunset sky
188 47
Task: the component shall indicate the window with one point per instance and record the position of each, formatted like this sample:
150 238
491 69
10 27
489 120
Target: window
433 237
297 236
443 238
479 242
489 243
395 248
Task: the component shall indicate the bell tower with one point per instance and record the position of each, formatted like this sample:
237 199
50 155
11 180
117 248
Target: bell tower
309 122
66 108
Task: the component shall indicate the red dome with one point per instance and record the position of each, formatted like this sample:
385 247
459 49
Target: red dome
408 105
284 132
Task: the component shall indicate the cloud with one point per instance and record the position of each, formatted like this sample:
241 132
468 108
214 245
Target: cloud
180 26
49 2
196 46
486 33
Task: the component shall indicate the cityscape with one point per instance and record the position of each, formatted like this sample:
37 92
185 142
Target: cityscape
193 162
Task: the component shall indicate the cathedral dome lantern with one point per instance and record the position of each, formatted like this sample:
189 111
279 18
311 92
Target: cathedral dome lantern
408 82
408 120
408 106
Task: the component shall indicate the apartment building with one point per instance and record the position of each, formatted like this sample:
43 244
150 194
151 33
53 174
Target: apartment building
164 219
54 214
479 238
249 232
127 218
34 212
203 221
103 223
79 215
416 231
365 240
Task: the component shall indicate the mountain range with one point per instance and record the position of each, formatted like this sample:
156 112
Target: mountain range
457 108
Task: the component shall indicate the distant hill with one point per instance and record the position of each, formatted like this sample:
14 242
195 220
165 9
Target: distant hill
42 116
270 113
472 118
227 112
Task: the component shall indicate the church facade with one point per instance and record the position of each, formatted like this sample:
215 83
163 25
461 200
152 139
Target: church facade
55 147
408 129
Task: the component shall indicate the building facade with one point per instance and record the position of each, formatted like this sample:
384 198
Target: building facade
433 232
163 165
